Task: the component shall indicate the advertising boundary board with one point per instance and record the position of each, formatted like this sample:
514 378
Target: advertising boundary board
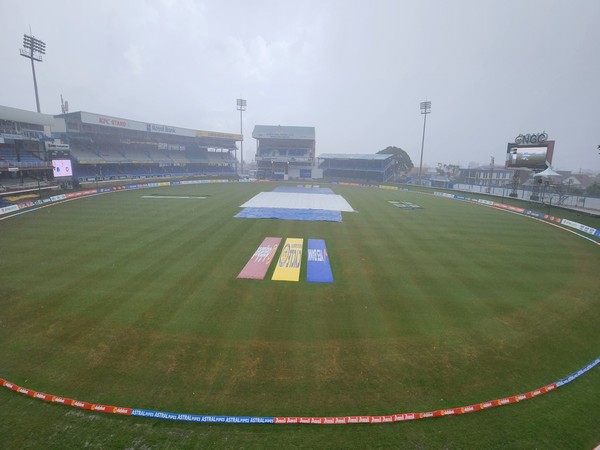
545 218
340 420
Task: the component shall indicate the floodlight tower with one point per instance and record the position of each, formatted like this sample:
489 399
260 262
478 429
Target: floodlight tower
241 107
425 109
33 49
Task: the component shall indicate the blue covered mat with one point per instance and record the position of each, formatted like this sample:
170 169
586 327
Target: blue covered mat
290 214
303 190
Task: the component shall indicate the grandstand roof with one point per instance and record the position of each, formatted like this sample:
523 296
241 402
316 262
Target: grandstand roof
120 123
358 157
279 132
24 116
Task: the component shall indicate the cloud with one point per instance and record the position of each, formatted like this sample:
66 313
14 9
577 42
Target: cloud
355 70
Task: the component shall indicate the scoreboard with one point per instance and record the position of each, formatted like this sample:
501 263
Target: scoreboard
61 168
60 155
530 151
57 151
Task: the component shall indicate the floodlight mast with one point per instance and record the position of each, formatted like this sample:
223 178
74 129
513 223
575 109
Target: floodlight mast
241 107
33 49
425 109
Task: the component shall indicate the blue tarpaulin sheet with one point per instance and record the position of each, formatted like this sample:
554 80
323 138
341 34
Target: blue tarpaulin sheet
291 214
303 190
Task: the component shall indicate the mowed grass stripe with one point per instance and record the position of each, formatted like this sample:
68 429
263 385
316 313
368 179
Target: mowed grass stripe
450 303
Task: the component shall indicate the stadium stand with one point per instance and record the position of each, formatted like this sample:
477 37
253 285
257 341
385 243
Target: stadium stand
284 152
85 153
133 149
103 148
365 167
112 154
20 159
8 157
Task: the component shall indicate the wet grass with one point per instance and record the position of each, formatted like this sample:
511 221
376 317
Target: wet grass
134 302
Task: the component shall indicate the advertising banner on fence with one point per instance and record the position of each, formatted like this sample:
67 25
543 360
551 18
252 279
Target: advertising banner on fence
290 260
257 266
580 227
318 269
9 209
399 417
536 214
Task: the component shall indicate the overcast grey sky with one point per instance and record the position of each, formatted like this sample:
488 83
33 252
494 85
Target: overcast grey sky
355 70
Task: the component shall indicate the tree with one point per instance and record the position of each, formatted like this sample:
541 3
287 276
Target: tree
593 189
449 170
402 162
562 190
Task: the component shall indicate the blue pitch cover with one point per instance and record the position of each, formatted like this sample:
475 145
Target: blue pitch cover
312 215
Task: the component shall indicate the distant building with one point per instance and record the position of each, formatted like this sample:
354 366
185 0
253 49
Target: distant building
284 152
488 176
578 180
440 181
363 167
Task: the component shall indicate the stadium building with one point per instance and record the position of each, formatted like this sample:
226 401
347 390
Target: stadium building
487 176
116 148
23 157
368 168
97 147
285 152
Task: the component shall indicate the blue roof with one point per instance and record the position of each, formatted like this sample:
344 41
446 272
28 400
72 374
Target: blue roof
357 156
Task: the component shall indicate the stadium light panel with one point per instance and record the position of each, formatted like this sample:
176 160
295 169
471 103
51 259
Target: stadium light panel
33 50
425 109
241 107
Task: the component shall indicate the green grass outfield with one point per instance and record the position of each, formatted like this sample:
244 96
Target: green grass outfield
134 302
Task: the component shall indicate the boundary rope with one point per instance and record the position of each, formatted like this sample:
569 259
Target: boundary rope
400 417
